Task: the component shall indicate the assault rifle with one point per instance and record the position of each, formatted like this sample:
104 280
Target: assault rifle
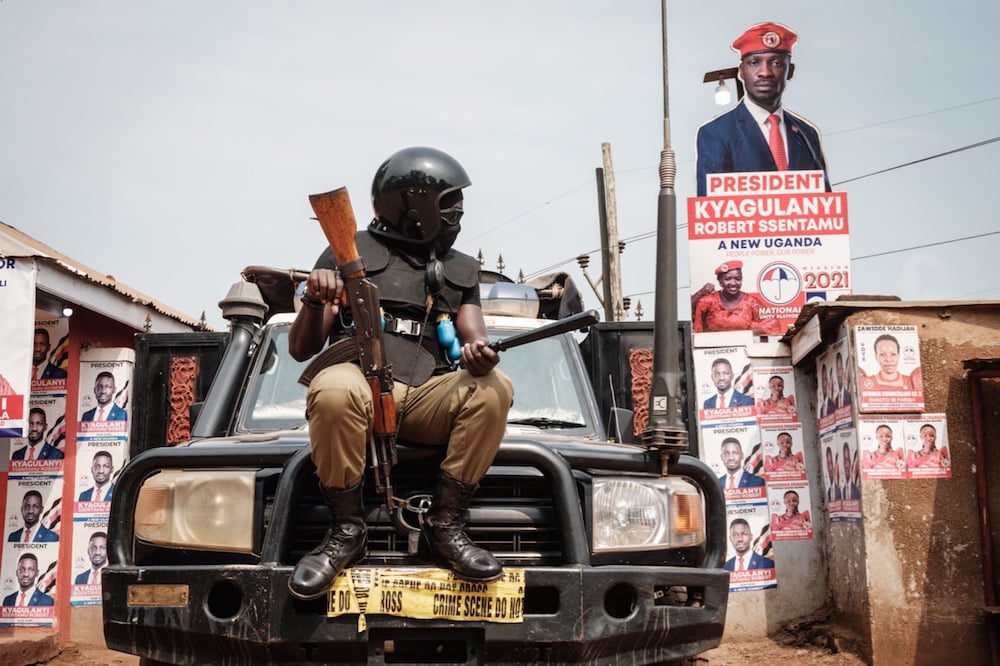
336 217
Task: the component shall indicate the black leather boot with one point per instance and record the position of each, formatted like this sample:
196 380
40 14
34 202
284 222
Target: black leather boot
444 539
345 543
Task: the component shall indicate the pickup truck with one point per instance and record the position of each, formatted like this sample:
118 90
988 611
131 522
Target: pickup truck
620 561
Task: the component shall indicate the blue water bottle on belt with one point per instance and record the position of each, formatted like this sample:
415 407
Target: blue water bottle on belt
448 338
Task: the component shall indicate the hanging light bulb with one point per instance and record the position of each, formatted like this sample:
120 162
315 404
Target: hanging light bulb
722 95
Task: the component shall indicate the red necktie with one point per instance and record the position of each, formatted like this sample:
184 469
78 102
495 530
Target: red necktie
20 602
721 400
27 535
97 494
93 577
732 480
777 143
31 453
741 564
100 414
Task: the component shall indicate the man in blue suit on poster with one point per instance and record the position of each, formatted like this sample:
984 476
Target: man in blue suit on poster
759 134
736 475
37 448
744 559
104 392
726 396
27 594
33 531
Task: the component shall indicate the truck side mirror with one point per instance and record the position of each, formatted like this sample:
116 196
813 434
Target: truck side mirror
620 425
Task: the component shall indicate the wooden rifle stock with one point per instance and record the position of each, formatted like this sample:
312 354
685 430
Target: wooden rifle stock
336 217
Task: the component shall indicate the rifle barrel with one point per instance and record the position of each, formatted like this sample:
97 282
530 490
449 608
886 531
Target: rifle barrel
579 320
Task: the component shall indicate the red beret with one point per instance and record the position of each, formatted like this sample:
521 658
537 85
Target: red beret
729 266
765 37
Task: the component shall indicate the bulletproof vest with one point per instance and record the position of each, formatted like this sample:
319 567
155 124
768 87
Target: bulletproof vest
402 294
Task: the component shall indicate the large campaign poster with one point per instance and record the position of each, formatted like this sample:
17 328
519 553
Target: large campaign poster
763 244
17 302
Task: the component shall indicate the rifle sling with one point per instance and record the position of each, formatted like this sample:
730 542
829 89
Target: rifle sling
341 351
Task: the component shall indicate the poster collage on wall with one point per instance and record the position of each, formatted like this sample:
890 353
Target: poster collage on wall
752 438
897 439
37 522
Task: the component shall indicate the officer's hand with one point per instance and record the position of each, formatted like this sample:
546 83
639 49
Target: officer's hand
325 285
478 358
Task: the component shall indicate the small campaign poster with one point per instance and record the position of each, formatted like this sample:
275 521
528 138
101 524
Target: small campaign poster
105 375
926 441
763 244
832 484
880 438
90 556
775 393
43 449
99 462
733 452
826 406
791 515
34 508
725 384
838 357
50 356
28 585
849 463
889 374
750 557
783 453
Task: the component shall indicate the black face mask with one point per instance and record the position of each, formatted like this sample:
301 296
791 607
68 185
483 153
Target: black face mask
446 237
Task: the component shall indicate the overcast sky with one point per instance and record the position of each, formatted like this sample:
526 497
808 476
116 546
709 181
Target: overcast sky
170 144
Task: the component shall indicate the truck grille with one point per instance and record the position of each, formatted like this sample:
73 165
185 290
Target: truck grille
511 515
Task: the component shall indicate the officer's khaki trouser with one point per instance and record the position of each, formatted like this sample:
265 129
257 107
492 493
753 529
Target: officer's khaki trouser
467 414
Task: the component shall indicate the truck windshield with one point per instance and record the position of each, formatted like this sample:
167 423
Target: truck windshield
546 390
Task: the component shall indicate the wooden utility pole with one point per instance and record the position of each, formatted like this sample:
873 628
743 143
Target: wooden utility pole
614 309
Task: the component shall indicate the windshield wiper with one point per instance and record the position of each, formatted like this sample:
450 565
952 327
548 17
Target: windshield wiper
544 422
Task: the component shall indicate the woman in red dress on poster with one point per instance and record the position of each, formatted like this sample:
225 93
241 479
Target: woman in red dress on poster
929 455
777 404
785 461
730 308
888 377
884 456
791 519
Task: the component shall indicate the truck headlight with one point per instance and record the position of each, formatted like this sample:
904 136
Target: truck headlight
633 513
203 510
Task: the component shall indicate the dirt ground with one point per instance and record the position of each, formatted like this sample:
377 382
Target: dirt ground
732 654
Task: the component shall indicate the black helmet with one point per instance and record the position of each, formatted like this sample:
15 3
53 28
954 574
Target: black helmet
411 189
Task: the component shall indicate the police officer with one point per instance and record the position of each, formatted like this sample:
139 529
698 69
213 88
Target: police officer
407 253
